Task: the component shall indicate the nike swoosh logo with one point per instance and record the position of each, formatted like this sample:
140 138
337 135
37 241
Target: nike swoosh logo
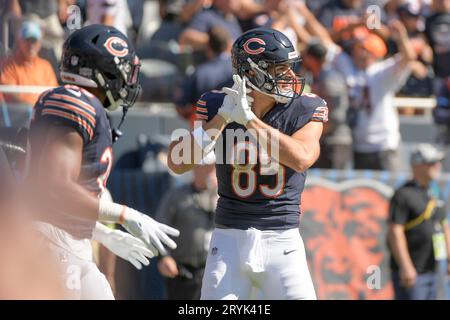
288 251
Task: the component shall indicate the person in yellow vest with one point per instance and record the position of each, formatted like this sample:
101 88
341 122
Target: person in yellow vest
419 234
24 67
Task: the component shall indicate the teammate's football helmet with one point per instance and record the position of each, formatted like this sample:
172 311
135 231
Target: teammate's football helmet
259 55
99 56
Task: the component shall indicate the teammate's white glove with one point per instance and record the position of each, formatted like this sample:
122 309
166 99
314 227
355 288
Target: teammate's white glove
123 245
153 233
150 231
242 113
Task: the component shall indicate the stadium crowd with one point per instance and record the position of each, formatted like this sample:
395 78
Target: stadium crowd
348 48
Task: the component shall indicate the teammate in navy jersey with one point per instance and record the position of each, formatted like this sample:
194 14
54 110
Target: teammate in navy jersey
71 158
256 245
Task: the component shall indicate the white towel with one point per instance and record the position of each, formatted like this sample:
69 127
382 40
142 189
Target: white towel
251 250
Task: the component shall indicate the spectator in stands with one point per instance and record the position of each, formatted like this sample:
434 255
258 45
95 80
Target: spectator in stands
419 84
419 234
136 9
191 7
316 5
25 67
437 31
222 14
175 14
441 115
191 208
330 85
46 14
339 15
213 74
109 12
374 120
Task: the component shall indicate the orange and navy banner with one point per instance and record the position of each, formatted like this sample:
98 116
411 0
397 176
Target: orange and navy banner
343 226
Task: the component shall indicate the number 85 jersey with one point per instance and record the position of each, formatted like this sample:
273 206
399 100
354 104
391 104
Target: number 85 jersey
74 107
262 196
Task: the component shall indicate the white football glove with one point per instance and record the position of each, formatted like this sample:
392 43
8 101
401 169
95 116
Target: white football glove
149 230
228 106
242 113
124 245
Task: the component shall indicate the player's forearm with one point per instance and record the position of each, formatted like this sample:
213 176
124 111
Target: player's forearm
185 153
70 198
399 247
291 152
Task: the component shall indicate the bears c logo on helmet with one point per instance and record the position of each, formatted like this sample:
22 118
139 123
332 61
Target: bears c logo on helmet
116 46
257 50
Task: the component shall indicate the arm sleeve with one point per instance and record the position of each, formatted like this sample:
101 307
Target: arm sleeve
314 108
208 105
62 109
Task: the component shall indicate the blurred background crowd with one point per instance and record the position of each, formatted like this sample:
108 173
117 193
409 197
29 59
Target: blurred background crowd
184 46
351 49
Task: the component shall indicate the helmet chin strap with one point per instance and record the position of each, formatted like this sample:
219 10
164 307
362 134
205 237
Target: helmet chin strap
114 104
116 133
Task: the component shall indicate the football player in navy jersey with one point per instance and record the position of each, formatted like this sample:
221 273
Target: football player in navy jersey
71 158
256 244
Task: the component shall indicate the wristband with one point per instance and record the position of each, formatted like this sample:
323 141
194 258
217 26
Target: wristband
111 212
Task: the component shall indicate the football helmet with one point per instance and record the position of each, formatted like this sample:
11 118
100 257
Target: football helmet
257 55
100 56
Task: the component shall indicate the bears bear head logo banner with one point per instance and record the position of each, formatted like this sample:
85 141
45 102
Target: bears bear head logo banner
343 226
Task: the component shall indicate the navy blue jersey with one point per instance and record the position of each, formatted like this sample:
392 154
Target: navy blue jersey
76 108
263 196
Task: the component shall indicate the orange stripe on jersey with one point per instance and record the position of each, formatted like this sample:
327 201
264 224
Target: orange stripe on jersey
201 103
70 107
71 117
203 110
320 114
79 102
201 116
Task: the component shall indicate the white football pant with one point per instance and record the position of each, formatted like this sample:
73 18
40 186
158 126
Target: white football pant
271 263
77 270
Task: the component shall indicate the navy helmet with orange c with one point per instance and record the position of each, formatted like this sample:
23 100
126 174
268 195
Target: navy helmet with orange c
255 56
99 56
